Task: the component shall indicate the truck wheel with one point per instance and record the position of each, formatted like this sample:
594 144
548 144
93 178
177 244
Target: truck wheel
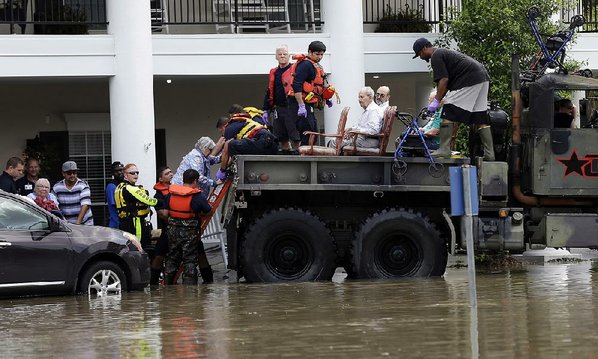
398 243
286 245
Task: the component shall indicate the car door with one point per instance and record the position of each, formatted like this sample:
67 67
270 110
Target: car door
33 258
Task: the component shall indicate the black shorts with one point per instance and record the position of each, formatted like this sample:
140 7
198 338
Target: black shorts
265 143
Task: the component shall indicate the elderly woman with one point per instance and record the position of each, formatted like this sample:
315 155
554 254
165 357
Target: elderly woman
200 158
42 196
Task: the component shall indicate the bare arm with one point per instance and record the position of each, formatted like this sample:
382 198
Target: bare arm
219 145
224 160
82 213
299 98
163 214
442 88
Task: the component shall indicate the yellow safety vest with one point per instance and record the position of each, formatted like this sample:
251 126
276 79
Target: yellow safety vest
132 201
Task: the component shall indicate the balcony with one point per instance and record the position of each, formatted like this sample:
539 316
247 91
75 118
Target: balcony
239 16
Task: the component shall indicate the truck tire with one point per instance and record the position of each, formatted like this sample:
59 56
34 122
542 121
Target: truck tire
288 245
398 243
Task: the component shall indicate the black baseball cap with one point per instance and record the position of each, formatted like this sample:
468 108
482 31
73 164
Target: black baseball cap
116 166
419 44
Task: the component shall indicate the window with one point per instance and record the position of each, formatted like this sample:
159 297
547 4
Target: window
16 215
91 151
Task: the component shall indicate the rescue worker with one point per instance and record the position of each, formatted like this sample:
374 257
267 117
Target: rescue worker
310 90
183 206
243 136
276 103
254 113
164 177
133 205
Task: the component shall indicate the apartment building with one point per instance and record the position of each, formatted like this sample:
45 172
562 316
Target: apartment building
149 77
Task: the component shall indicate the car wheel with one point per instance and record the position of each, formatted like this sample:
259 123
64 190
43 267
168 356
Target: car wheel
398 243
287 245
103 279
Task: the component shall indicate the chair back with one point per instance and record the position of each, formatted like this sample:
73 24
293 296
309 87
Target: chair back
389 116
340 130
313 150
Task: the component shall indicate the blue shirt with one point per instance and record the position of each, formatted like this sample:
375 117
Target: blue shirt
113 220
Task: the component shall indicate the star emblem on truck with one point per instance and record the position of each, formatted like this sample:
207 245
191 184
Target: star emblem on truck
574 164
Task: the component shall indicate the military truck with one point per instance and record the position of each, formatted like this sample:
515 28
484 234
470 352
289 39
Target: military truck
300 218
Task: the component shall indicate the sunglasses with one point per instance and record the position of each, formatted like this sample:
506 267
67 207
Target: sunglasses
134 173
70 172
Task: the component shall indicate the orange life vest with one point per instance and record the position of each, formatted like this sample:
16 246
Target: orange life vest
162 188
251 127
287 81
179 205
316 91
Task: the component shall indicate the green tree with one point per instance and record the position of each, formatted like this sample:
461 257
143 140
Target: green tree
491 31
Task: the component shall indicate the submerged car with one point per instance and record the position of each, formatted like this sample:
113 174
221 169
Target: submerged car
41 254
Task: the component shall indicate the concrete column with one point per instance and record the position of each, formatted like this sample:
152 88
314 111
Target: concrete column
132 87
343 20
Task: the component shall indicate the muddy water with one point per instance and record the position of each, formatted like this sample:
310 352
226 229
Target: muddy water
547 311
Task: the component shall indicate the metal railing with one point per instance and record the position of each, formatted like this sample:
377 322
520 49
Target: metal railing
408 15
234 16
53 16
238 15
587 8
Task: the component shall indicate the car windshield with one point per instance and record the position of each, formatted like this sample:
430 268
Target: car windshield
17 215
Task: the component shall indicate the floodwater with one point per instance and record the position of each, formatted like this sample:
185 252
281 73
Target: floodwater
545 311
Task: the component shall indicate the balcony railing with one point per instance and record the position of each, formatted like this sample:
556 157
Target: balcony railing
238 16
235 16
408 15
53 16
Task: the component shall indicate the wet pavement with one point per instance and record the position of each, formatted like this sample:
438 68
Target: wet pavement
545 311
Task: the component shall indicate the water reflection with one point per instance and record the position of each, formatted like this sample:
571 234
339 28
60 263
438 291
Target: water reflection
546 311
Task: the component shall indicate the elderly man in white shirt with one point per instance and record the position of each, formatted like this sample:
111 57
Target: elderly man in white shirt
370 121
383 98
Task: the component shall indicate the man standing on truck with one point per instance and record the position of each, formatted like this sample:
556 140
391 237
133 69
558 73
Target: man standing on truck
276 103
462 83
243 136
310 90
183 206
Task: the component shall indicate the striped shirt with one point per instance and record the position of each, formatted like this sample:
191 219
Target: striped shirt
70 201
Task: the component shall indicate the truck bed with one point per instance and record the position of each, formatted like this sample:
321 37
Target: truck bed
348 173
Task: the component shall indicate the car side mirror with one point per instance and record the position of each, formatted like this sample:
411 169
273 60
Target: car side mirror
54 224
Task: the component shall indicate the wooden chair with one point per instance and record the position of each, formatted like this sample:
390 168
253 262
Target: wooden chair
383 136
314 150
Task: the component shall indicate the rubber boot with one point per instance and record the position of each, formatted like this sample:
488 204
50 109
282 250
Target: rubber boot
487 143
207 275
444 149
155 276
189 280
